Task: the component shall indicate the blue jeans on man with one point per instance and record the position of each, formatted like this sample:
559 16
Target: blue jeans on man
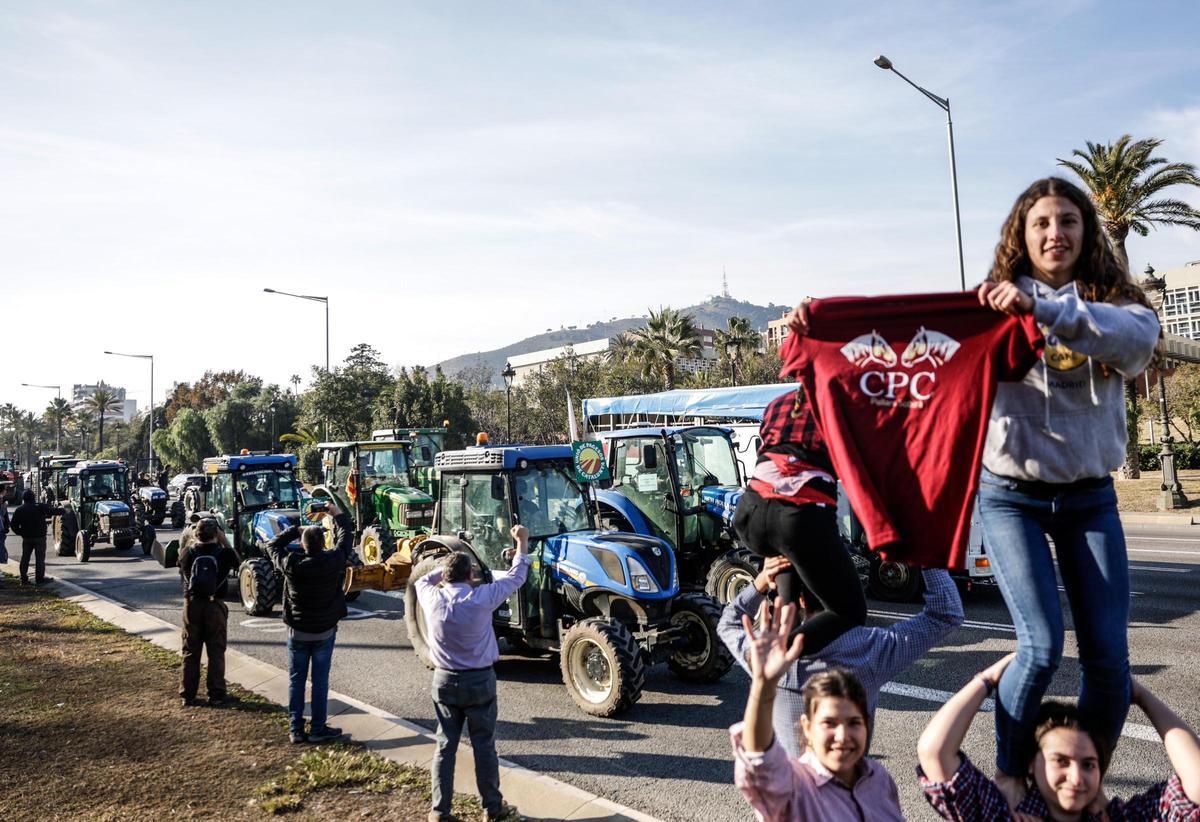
1090 547
301 654
466 697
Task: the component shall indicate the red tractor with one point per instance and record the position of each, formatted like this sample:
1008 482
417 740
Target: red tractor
10 480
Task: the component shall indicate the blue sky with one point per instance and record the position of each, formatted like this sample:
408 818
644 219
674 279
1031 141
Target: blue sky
458 175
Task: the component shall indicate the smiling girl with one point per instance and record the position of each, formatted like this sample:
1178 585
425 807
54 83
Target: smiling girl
834 780
1052 442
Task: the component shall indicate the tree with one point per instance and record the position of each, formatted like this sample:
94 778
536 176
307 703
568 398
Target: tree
101 402
56 413
668 336
185 442
1126 184
417 401
345 398
213 388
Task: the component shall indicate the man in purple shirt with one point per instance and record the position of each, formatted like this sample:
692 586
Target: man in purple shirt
462 644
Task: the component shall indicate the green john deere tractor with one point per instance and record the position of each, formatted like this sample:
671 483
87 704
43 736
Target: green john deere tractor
426 444
372 481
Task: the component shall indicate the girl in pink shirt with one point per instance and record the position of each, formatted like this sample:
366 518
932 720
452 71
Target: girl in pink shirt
834 780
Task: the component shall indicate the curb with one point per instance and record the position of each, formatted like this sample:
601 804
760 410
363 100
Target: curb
390 736
1164 518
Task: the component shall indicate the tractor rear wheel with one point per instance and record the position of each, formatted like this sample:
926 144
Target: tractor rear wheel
62 546
83 546
730 573
700 655
894 581
414 617
602 666
258 586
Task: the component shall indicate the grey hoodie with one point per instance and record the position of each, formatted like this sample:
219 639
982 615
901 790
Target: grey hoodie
1066 421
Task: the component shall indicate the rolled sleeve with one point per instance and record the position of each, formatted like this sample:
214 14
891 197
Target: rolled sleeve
766 779
730 628
968 796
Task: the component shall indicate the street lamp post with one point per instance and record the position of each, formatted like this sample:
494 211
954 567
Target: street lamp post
944 104
1171 495
149 357
508 373
316 299
58 429
274 408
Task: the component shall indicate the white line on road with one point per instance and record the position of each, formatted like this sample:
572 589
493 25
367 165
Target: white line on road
1160 570
1161 551
970 623
1132 730
1130 538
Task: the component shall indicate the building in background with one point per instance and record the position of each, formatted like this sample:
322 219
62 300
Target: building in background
128 407
776 333
1180 313
533 362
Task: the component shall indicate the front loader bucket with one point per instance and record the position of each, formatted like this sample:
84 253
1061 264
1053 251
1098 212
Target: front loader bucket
389 575
167 556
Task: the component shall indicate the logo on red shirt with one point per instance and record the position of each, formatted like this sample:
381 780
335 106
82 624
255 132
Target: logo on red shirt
891 387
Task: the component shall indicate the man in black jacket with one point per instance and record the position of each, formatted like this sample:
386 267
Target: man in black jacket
313 603
205 618
29 523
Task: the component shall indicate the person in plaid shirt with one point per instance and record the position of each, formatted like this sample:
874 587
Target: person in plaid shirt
1067 769
789 509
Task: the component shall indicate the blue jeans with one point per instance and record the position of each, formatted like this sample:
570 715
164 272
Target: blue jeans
1090 546
320 654
466 697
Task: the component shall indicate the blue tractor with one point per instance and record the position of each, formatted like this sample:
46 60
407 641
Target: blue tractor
681 484
254 497
607 603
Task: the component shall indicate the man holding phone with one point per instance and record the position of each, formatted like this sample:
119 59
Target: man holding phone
313 603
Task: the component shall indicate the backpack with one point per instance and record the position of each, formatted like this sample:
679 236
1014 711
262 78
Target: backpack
204 578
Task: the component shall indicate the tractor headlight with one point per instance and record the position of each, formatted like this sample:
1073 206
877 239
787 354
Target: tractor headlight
641 579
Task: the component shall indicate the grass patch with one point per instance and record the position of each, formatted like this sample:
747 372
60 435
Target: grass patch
1141 495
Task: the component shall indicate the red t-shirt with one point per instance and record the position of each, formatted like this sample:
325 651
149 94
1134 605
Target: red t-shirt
903 390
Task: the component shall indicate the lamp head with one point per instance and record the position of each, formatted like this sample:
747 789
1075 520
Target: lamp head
269 290
883 62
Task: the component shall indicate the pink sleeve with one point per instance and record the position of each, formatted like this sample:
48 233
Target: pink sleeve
767 780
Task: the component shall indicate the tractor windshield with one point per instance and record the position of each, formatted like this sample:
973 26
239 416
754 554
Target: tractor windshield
383 463
549 501
268 487
705 457
6 465
424 448
103 485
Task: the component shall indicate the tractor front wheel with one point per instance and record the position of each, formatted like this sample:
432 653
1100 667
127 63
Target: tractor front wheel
178 514
894 581
376 546
700 655
258 586
414 616
602 666
356 562
83 546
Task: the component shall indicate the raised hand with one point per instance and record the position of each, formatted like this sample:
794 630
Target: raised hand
770 653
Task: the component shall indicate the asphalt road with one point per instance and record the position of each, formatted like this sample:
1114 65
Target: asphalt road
669 756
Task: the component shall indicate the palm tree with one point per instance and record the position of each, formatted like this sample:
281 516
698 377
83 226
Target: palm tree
668 336
295 381
1126 182
56 413
740 334
101 402
9 414
620 347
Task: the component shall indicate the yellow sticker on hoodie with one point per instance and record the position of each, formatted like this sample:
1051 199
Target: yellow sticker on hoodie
1058 356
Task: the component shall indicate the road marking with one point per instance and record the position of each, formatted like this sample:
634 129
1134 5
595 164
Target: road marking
1194 540
1161 551
1160 570
970 623
1132 730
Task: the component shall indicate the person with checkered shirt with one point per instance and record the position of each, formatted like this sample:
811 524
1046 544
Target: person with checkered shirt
1064 779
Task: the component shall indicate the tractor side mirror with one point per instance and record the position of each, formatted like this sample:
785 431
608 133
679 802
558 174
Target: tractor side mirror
498 488
649 457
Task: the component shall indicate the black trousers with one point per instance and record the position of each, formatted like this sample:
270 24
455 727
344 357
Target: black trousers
37 549
808 536
204 624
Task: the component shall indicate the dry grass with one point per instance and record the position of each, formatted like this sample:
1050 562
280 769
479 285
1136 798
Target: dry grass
1141 495
91 728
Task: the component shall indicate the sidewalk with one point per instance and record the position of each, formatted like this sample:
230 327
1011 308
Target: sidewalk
387 735
1166 518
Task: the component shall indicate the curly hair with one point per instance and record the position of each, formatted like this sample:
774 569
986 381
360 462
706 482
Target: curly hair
1101 276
